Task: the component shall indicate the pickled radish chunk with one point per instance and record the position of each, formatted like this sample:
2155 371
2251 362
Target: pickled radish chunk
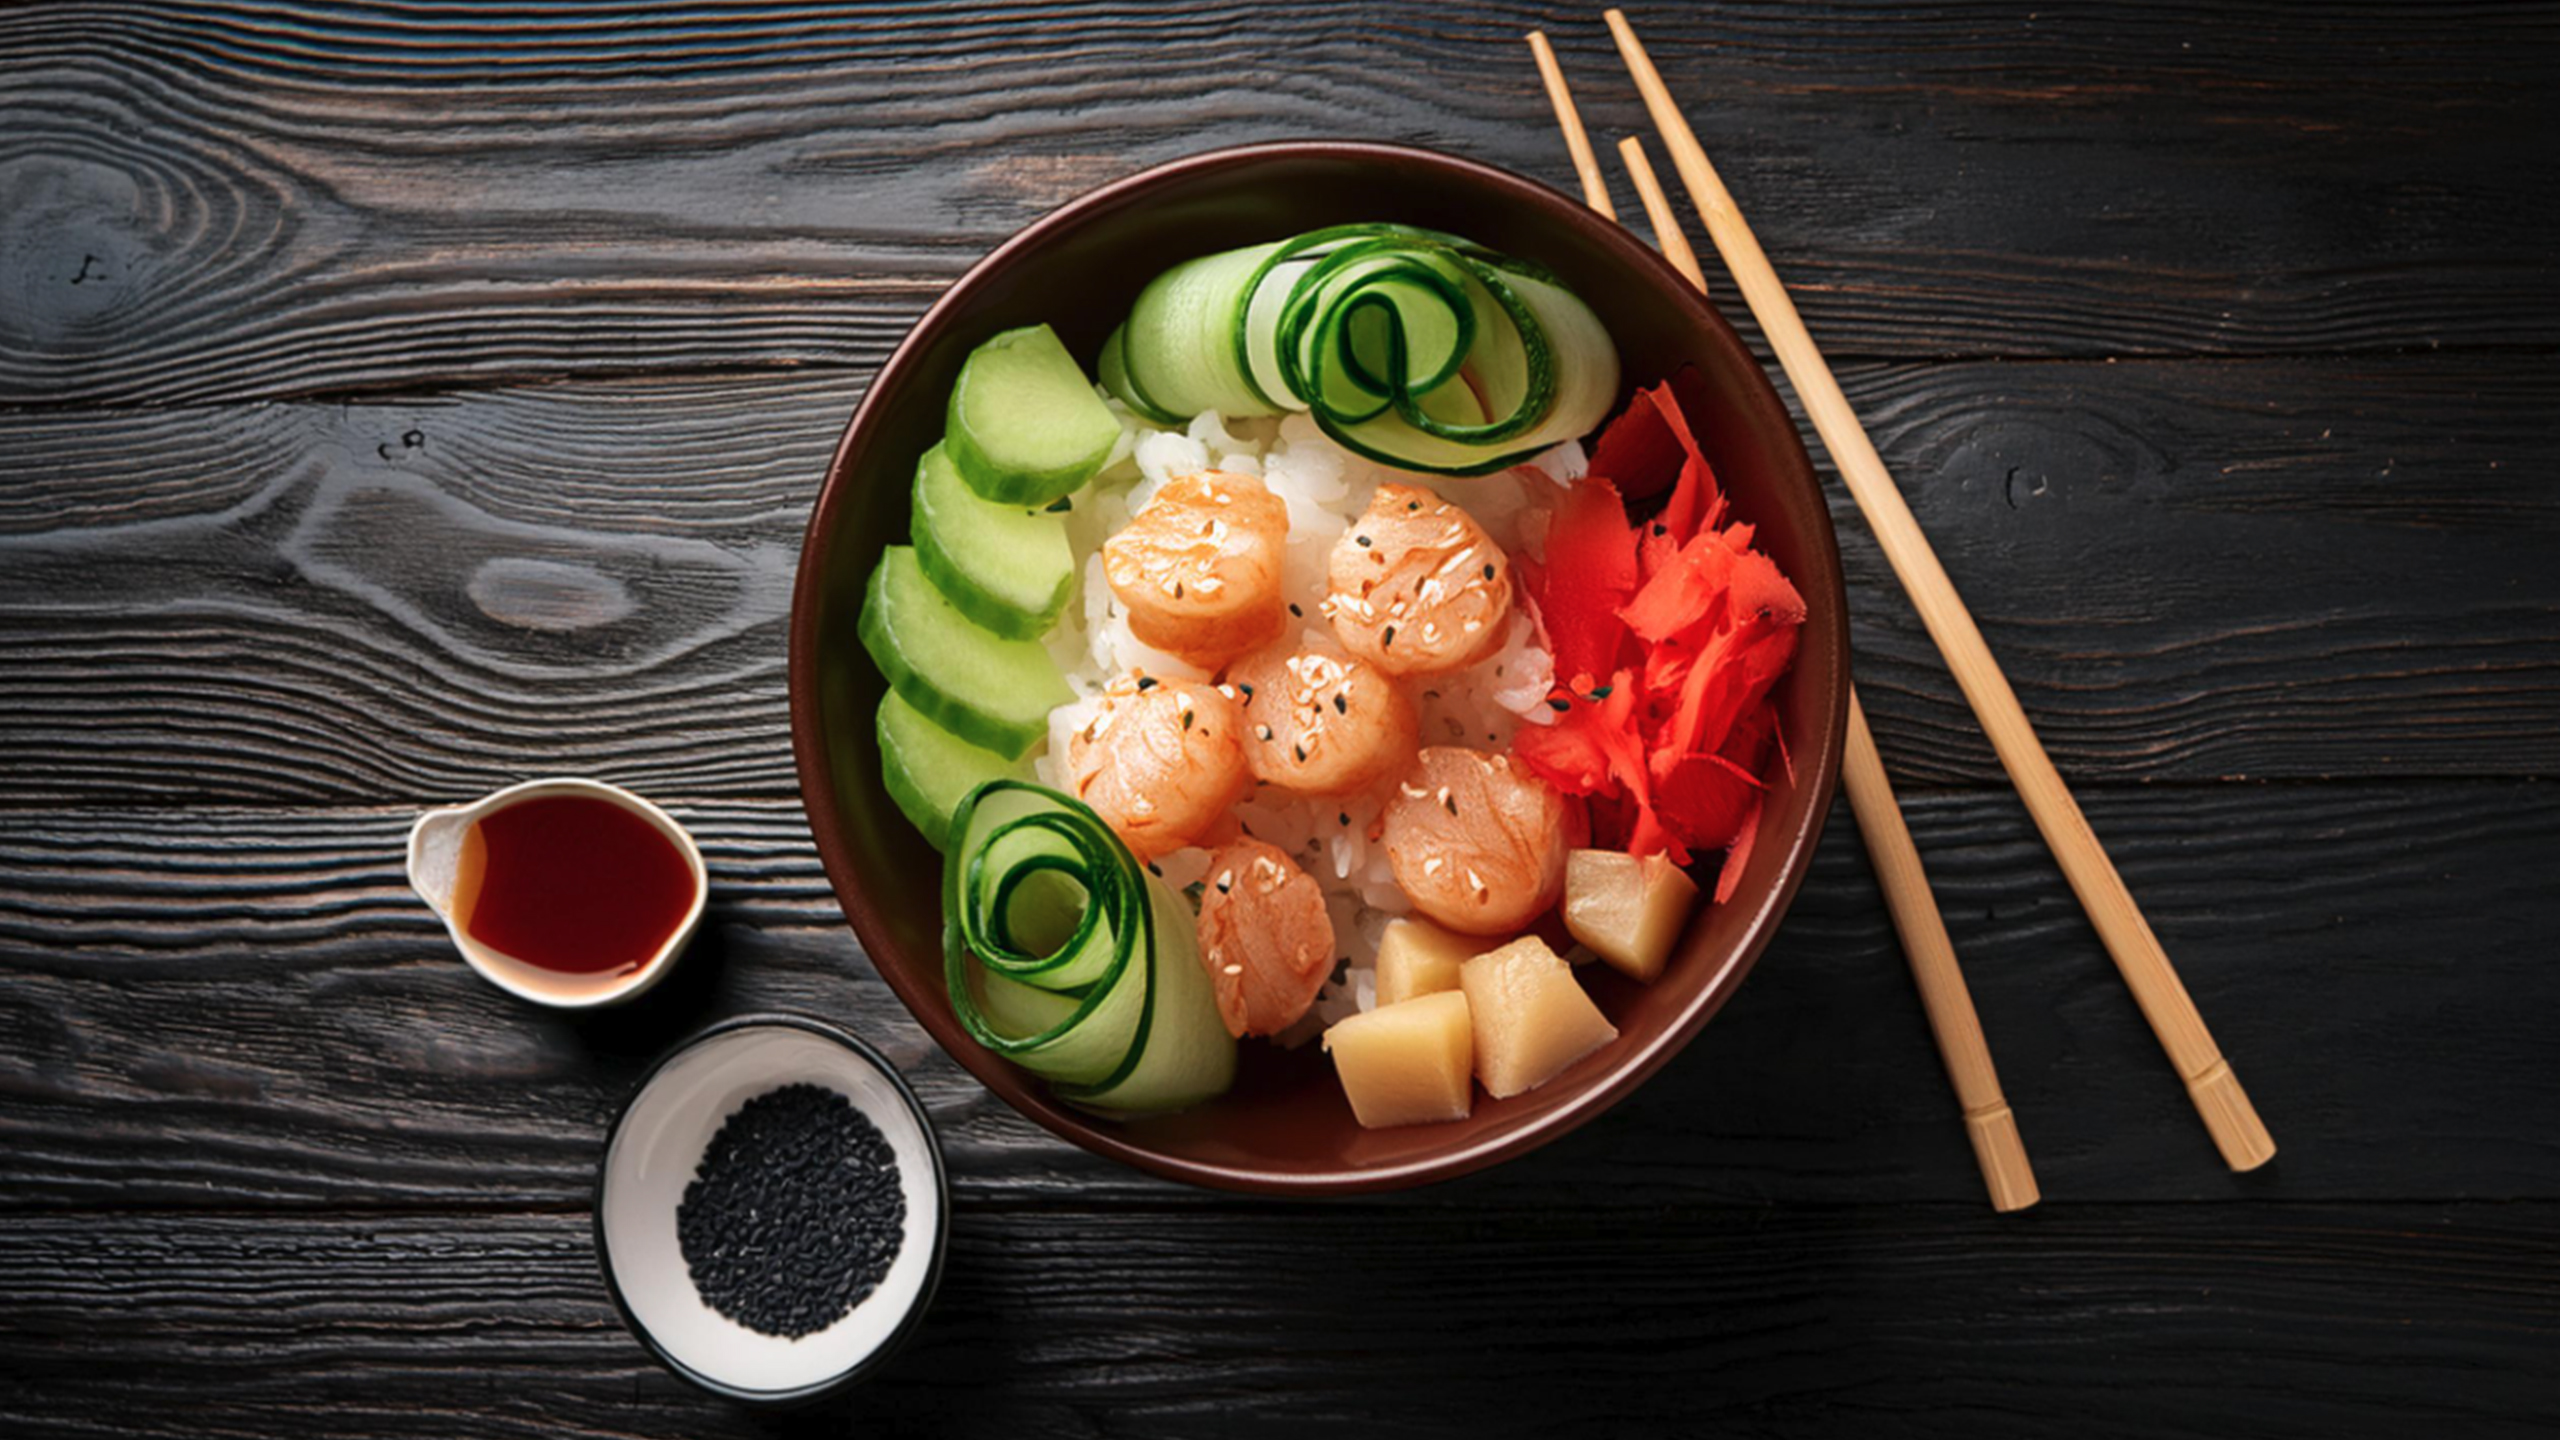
1531 1017
1416 957
1411 1063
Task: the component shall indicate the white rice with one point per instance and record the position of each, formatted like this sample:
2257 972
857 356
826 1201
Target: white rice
1325 488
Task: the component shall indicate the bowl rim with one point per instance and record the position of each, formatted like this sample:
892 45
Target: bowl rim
1820 772
907 1325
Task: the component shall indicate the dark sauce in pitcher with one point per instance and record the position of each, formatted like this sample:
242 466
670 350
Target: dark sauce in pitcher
571 884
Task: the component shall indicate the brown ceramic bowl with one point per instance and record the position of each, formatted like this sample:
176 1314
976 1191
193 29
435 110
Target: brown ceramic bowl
1285 1128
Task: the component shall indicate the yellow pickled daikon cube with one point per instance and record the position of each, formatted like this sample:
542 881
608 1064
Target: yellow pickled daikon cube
1530 1015
1408 1063
1629 911
1416 957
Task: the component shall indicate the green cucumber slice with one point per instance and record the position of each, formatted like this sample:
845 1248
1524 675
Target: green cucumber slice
992 692
1112 369
1179 344
1025 426
1065 957
929 771
1008 567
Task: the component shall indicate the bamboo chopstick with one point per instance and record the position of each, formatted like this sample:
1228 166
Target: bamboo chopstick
1667 235
2215 1091
1993 1129
1595 188
1988 1122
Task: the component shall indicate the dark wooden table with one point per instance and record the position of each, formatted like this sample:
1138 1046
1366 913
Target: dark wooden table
401 401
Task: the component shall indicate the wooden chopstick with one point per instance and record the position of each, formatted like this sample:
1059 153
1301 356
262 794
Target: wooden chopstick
1667 235
1989 1124
1595 188
2215 1091
1997 1146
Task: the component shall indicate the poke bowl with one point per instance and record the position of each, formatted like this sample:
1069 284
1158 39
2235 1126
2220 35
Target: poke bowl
1277 1118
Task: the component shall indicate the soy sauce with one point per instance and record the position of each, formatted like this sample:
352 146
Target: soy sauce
571 884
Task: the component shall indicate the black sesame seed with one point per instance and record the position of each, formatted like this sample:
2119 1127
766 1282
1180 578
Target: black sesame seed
1262 732
1658 530
1062 505
1344 817
1225 885
1449 803
1247 689
1340 705
1413 504
1146 682
1294 610
1301 748
1602 693
1387 639
1363 541
1155 870
1488 572
794 1214
1559 705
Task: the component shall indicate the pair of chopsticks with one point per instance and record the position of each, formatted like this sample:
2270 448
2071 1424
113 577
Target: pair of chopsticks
2215 1091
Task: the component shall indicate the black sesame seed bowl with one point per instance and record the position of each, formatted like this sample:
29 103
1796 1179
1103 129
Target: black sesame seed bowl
771 1211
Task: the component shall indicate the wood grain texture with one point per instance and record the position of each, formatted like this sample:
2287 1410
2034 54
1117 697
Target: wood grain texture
231 1007
221 201
1191 1317
398 399
2259 569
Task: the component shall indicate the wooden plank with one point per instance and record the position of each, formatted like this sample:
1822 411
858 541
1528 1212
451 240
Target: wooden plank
2229 1321
227 201
228 1007
2264 569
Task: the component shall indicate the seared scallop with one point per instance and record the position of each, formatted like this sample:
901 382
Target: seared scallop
1162 762
1265 937
1477 842
1320 724
1416 587
1198 570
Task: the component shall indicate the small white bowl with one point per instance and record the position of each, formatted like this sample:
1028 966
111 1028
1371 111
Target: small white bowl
435 848
651 1156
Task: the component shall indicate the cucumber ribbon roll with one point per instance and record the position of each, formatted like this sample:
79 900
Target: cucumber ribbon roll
1414 348
1067 957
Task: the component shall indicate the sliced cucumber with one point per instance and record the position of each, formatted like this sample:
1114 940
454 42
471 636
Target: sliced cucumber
989 691
929 770
1025 426
1008 567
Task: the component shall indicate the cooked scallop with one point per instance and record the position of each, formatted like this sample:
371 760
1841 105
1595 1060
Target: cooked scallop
1477 842
1162 762
1265 937
1320 724
1198 570
1416 587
